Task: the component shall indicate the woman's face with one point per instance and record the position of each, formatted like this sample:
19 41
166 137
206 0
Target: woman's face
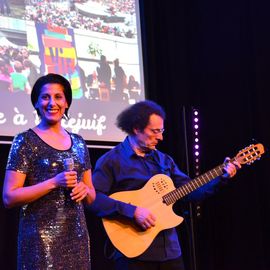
51 103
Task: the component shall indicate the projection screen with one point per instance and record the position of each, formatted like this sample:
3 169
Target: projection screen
95 44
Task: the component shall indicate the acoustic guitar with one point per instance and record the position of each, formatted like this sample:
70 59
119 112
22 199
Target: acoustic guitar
159 195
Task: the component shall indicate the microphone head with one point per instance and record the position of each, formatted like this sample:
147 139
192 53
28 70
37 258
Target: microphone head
68 164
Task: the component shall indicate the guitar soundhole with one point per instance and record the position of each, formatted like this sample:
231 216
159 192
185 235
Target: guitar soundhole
160 186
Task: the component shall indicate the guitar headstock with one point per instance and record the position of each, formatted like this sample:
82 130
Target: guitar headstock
249 154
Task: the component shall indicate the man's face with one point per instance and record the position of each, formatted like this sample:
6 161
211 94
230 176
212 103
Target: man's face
152 134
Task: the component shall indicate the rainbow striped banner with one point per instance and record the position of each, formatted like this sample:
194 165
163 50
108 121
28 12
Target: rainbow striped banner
58 51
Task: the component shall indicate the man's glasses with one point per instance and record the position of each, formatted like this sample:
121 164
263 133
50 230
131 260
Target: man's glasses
157 130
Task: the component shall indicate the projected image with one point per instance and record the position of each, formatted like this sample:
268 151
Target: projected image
95 44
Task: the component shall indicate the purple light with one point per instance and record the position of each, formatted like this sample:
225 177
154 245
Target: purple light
196 145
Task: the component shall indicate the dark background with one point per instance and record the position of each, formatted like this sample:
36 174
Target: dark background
212 55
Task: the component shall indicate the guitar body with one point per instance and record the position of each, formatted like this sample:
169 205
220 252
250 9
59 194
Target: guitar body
150 196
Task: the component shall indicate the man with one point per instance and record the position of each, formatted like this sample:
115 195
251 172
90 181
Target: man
104 73
128 167
4 7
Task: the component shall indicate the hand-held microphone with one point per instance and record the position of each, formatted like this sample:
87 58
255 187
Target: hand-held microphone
68 164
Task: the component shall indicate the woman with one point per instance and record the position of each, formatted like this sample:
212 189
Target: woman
52 231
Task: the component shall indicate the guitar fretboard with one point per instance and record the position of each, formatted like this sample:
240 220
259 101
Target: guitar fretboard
192 185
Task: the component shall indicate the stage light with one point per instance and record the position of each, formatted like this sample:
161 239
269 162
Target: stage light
196 151
196 145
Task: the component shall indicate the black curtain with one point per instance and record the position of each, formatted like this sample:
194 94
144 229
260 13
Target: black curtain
213 55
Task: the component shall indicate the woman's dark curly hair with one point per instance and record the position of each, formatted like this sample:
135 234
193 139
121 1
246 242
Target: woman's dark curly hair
137 116
51 78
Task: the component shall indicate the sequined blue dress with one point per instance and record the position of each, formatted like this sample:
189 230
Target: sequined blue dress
52 231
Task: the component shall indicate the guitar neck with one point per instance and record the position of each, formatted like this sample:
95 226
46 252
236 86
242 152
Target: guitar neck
192 185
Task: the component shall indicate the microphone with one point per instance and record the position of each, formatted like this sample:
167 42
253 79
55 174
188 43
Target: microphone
68 164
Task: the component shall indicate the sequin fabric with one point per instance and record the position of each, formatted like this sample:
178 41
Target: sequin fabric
52 231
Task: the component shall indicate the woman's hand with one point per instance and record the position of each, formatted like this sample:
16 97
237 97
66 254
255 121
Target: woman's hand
79 192
66 179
